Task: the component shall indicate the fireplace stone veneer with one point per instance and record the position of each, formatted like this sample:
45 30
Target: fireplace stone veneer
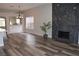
65 19
64 35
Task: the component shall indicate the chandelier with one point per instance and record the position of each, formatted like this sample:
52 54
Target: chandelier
20 16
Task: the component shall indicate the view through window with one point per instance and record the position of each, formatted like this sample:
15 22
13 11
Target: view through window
30 22
15 21
18 21
2 24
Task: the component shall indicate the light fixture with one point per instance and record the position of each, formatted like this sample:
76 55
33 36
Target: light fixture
20 16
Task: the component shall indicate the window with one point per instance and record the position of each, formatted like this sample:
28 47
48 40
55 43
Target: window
14 21
18 21
2 24
10 23
30 22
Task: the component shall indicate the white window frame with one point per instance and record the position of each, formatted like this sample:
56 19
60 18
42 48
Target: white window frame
1 29
30 22
18 21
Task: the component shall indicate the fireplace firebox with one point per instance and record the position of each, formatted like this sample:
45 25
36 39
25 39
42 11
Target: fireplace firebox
63 34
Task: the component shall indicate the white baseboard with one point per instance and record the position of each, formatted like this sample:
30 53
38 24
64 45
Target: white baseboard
50 36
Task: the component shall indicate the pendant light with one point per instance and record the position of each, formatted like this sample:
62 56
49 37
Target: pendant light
20 16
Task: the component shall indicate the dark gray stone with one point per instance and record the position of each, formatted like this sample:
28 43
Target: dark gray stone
65 18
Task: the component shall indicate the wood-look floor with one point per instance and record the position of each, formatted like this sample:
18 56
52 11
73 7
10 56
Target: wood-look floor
2 52
23 44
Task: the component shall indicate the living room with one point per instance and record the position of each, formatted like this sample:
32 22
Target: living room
36 12
39 29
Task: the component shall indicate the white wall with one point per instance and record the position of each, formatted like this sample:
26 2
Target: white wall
41 14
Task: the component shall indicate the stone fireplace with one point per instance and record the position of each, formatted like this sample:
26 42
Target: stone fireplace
65 22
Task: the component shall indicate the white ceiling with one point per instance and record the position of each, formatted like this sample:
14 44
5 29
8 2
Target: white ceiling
14 6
